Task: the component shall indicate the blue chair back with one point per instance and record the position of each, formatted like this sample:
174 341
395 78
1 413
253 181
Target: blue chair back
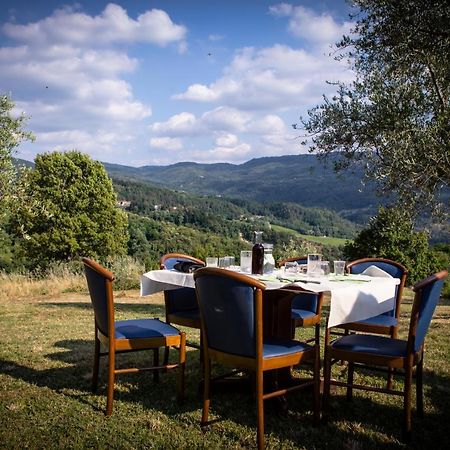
97 286
394 269
227 308
182 299
168 261
427 297
306 301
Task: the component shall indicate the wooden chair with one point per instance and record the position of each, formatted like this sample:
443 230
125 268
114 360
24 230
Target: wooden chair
386 323
231 307
306 305
120 336
181 304
297 259
388 352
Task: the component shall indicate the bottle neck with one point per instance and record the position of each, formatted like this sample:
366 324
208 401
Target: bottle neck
258 237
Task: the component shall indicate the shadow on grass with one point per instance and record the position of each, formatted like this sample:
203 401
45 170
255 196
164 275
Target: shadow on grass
74 378
140 309
360 424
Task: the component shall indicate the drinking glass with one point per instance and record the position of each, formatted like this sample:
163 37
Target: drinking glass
290 267
339 267
325 267
211 262
246 261
223 262
314 260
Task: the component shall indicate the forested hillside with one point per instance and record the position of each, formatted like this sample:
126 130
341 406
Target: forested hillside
228 216
300 179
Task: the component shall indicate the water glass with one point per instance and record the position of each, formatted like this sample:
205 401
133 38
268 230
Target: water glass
290 267
226 261
339 267
325 268
314 260
246 261
211 262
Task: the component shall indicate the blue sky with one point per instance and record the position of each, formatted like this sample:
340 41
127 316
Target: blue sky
158 82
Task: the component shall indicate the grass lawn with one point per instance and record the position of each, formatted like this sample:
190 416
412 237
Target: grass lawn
46 345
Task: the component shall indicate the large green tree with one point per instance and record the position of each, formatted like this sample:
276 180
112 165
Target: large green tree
391 235
394 118
73 210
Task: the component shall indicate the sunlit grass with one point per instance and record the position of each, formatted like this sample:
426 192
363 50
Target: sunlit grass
46 347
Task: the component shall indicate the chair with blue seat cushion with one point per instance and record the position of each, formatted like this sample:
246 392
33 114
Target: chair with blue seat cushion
231 308
390 353
181 304
386 323
306 305
120 336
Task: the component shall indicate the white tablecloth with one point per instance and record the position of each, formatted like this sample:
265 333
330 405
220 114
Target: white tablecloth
353 298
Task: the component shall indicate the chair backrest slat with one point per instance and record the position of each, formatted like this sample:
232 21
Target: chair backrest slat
169 260
426 299
393 268
227 306
97 280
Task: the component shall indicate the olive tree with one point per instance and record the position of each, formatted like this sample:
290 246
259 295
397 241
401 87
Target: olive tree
394 118
11 134
391 235
73 210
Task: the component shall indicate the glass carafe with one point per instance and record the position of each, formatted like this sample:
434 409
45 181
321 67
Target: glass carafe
258 254
269 261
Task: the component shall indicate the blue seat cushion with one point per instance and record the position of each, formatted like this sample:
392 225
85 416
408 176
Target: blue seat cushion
301 314
143 329
381 320
280 347
376 345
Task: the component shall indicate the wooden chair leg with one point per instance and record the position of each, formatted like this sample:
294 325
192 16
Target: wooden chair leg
317 386
259 409
156 364
181 368
96 364
326 386
350 373
111 378
407 404
419 387
206 389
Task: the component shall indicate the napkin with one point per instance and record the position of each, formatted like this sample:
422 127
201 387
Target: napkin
374 271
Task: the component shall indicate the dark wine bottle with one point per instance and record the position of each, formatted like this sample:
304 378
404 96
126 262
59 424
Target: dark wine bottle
258 254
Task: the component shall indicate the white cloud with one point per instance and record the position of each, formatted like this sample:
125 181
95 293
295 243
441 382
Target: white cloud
225 118
113 25
272 79
227 140
166 143
183 124
306 24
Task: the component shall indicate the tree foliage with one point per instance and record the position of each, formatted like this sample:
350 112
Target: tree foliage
72 211
394 118
391 235
11 134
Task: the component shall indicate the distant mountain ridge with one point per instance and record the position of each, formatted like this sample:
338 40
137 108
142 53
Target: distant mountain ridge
300 179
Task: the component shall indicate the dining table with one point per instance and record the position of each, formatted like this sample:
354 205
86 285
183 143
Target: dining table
352 297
